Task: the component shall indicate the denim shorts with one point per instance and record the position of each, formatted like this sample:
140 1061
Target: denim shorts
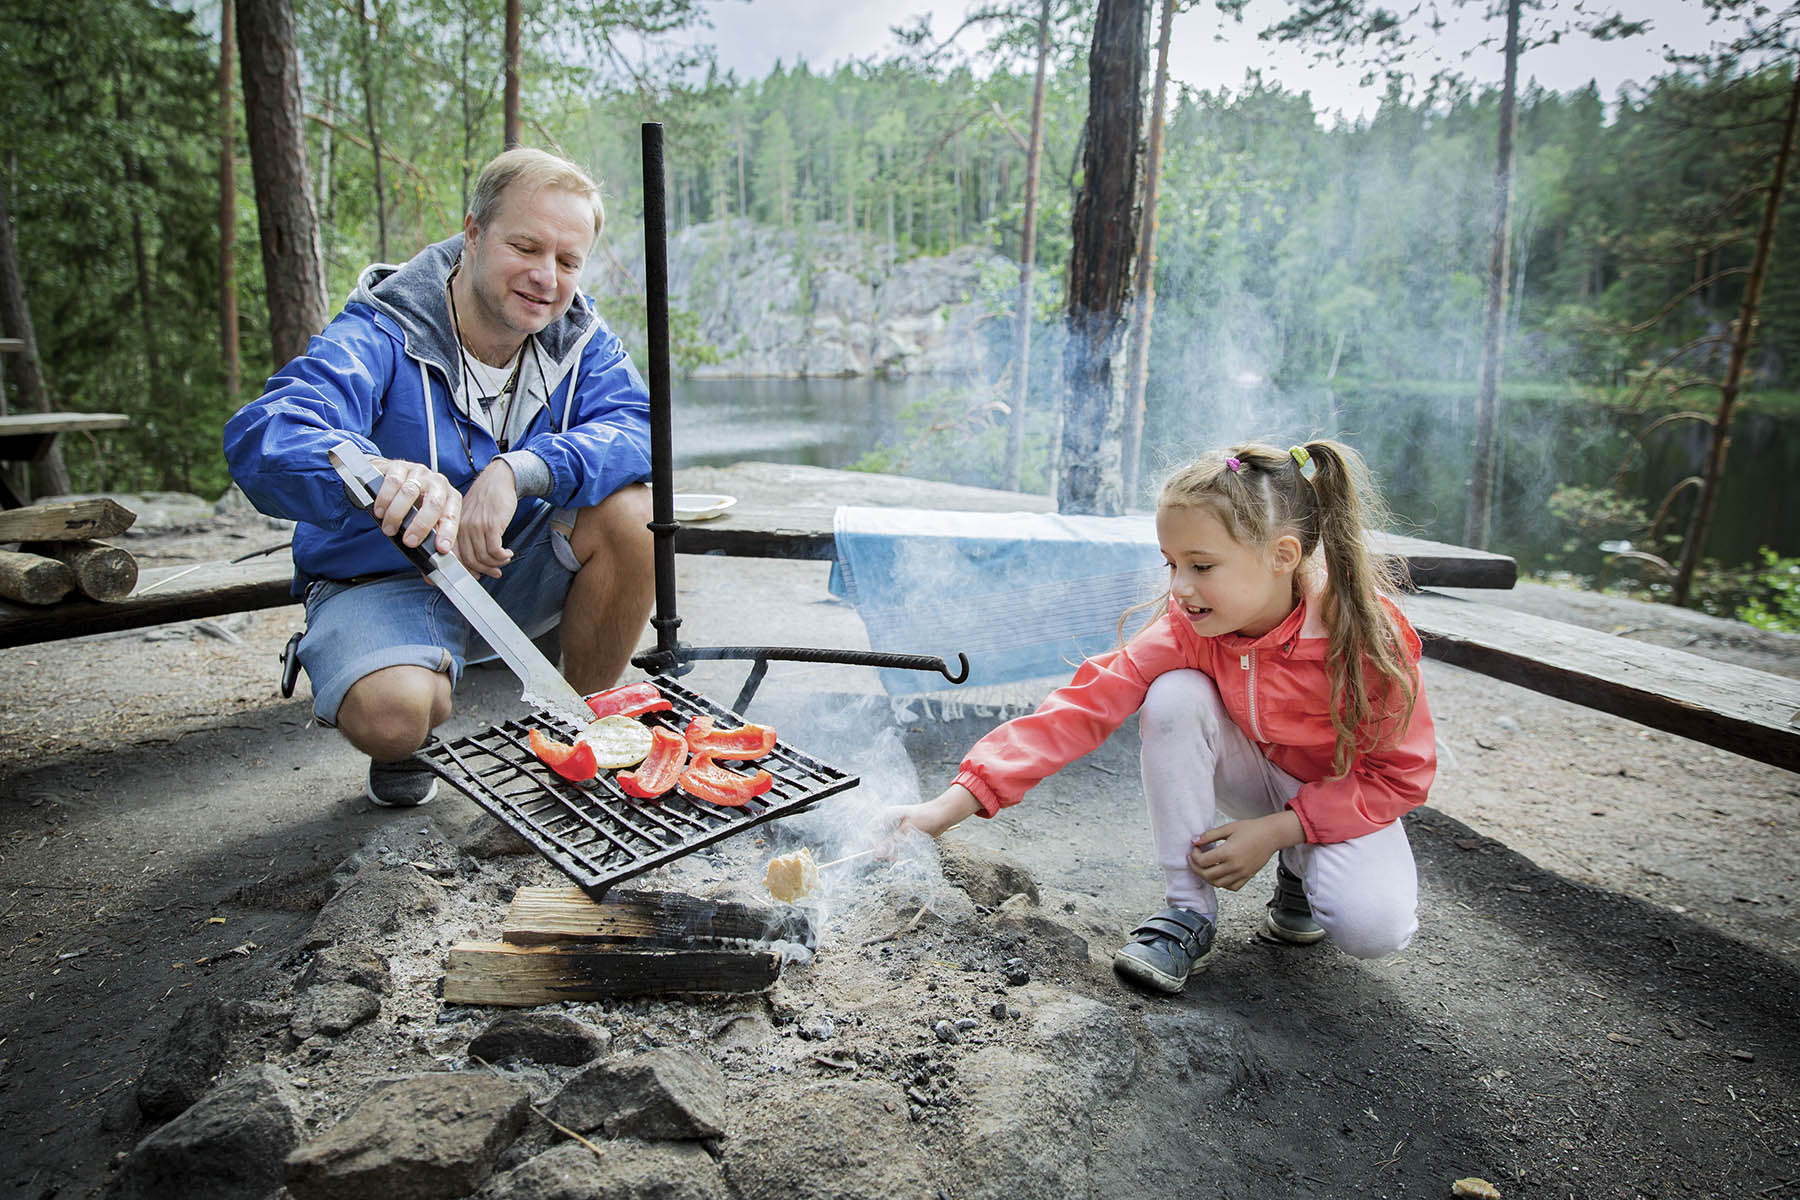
353 629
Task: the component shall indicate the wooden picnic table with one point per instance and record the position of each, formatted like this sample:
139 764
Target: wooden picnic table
28 437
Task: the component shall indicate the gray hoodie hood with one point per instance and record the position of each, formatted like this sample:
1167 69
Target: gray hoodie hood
412 295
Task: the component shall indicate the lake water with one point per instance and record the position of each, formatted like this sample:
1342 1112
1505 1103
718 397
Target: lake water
1418 446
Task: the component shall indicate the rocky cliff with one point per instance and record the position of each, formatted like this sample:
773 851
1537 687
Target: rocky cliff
786 303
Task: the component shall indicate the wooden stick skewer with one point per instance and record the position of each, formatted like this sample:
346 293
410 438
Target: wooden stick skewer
859 854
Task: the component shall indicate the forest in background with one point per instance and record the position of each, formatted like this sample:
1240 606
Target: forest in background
1292 250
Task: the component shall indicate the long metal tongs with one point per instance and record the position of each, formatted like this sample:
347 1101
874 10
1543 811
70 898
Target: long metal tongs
671 657
543 683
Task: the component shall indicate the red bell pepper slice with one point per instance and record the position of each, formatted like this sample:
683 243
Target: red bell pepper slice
708 781
575 763
661 770
628 700
746 741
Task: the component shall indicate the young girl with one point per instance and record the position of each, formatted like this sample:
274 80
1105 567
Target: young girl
1278 684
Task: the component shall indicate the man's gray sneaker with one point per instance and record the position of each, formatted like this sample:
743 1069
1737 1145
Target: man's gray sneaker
1165 949
1290 915
403 784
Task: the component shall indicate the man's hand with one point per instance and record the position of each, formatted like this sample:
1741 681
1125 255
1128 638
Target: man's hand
953 805
439 504
1230 855
487 510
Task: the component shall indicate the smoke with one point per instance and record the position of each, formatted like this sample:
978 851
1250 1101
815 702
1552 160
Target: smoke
853 731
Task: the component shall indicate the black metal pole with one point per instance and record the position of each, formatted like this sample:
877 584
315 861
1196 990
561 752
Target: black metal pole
662 457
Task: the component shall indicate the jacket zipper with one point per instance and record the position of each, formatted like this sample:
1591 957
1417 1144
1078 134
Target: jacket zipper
1248 663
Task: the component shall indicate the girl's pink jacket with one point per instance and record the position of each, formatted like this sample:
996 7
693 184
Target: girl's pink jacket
1276 688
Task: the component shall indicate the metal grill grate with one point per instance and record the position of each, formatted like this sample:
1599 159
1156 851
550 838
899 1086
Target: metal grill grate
595 833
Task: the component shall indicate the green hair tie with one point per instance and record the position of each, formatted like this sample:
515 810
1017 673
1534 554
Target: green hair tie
1303 460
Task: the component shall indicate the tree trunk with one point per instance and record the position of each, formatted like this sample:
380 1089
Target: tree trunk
173 463
370 120
228 312
1742 334
512 73
1487 407
1105 239
323 204
288 224
52 477
1145 307
468 114
1034 154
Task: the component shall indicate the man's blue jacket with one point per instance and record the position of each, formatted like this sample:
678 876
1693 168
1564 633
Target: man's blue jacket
386 373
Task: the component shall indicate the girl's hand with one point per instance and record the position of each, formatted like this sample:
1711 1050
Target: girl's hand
950 807
1230 856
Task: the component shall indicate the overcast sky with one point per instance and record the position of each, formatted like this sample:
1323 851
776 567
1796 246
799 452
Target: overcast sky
752 36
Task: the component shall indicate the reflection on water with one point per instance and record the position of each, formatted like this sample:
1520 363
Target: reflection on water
1418 446
813 422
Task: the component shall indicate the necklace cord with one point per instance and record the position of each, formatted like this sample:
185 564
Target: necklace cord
509 389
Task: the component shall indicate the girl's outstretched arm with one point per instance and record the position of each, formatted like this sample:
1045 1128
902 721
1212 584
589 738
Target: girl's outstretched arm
950 807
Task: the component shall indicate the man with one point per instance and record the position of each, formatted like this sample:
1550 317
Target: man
491 393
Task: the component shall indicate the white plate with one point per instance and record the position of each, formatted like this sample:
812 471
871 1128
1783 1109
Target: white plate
700 506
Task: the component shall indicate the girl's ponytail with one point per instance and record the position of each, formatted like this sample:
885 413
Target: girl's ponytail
1372 675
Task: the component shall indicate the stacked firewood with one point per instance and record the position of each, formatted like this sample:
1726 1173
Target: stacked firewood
61 551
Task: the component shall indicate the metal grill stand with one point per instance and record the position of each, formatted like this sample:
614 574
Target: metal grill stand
671 657
594 832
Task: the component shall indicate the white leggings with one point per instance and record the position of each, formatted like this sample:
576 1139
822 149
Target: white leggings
1196 762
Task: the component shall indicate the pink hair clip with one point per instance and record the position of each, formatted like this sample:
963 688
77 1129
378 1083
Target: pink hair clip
1234 465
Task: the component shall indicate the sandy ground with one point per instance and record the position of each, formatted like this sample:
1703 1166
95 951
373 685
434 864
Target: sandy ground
158 797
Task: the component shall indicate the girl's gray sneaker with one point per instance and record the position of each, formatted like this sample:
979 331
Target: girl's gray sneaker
1290 915
1165 949
403 784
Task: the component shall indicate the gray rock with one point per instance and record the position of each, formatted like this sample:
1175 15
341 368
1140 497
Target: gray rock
1090 1041
378 901
229 1145
196 1048
484 837
235 506
989 877
775 302
1048 941
844 1140
622 1170
663 1094
157 512
348 964
421 1138
551 1038
333 1009
1026 1128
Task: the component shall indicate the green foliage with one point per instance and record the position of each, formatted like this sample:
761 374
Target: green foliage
109 151
1773 599
1593 515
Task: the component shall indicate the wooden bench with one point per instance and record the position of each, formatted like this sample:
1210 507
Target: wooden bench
1749 712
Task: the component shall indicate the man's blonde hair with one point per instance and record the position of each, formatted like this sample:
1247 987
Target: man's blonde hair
533 169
